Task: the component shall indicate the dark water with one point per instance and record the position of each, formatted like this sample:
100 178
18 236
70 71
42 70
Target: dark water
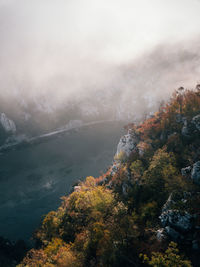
33 178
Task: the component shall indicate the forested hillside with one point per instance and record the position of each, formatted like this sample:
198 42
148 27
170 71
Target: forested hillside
145 210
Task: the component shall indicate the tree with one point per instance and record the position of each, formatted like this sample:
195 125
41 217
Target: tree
170 258
137 168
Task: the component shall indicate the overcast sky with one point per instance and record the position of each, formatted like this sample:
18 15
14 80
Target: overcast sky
70 45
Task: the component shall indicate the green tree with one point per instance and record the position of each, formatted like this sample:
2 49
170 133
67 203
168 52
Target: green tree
137 168
171 258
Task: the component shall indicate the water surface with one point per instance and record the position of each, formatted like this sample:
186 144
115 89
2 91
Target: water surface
33 178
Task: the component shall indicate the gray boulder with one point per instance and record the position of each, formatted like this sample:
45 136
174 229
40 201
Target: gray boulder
178 225
179 118
168 203
161 234
7 124
179 221
191 127
186 171
186 130
195 174
196 121
127 144
125 189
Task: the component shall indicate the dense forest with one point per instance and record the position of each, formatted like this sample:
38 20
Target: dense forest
144 211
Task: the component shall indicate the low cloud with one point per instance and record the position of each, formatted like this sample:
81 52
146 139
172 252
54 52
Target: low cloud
132 52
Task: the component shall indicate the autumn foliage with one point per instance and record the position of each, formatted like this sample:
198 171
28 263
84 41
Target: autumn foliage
111 220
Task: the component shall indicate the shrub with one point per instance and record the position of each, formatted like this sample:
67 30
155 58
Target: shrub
170 258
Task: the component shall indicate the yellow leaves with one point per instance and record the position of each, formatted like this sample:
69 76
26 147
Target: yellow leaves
98 230
144 257
90 182
161 158
162 167
97 199
53 246
170 258
48 218
56 254
34 258
49 227
67 259
81 200
137 168
51 220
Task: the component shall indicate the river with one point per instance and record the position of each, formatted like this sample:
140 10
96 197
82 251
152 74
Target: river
34 177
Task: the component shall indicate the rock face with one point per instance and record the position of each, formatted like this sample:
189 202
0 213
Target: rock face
7 124
186 171
124 189
127 144
191 127
187 129
179 225
179 221
176 223
168 204
179 118
161 234
196 122
195 174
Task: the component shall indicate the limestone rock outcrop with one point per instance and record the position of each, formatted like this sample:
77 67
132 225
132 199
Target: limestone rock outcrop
196 121
7 124
176 224
193 172
186 171
127 144
191 127
180 221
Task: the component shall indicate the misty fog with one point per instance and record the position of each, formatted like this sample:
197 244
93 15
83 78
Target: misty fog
63 52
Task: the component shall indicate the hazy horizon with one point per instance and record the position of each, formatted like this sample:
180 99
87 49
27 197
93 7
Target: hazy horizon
69 50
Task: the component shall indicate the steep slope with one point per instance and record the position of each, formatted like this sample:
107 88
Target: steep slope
144 210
